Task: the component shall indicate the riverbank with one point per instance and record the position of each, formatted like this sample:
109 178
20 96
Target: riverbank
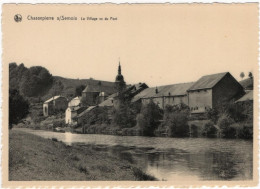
35 158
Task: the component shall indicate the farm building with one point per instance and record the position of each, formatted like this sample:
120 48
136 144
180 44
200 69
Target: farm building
213 90
95 94
164 95
54 104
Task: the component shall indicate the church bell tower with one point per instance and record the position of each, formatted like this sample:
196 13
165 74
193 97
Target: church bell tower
119 82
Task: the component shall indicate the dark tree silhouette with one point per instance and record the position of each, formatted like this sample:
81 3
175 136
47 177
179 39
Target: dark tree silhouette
242 75
18 107
250 75
79 90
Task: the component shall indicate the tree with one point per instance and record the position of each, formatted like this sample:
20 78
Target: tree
250 75
149 118
242 75
34 81
224 123
79 89
18 107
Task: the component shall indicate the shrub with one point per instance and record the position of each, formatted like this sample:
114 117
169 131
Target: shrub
18 107
149 118
194 130
209 130
212 114
177 124
98 115
245 132
224 123
58 123
125 114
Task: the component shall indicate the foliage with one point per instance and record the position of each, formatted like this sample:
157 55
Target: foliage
124 116
209 130
250 75
178 125
212 114
224 123
236 111
31 82
38 82
175 118
58 123
79 89
245 132
35 81
97 115
242 75
148 119
18 107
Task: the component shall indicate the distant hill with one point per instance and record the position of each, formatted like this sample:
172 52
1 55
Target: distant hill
248 83
36 82
66 87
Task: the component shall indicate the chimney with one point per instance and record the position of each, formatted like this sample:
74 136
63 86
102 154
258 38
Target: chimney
156 91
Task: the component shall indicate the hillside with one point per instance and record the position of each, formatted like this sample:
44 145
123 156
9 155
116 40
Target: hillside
67 87
37 83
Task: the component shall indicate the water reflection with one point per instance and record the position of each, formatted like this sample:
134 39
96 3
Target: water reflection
173 158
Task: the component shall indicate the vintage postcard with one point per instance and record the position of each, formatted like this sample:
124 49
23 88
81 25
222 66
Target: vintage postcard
98 95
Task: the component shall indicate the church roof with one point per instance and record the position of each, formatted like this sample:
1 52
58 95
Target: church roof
208 81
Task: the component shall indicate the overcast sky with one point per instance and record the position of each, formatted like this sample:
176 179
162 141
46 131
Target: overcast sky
156 44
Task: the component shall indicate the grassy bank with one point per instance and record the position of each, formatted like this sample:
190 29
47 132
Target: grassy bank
34 158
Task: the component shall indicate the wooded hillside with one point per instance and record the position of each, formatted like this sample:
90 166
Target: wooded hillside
37 82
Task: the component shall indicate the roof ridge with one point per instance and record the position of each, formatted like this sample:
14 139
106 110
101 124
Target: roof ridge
215 74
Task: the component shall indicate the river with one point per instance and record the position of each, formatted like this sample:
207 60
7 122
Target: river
172 158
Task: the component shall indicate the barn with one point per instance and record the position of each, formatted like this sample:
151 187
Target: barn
164 95
213 90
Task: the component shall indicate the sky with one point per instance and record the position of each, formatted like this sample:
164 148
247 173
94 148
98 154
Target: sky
156 44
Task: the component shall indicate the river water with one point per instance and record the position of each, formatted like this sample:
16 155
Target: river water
172 158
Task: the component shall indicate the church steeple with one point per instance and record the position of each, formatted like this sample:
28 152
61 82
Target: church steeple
120 83
119 69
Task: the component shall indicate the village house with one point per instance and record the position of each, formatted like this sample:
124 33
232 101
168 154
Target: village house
54 104
164 95
71 114
213 90
95 94
92 95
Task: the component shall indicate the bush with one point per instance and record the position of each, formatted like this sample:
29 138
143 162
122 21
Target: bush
194 130
98 115
245 132
177 124
125 114
209 130
212 114
149 118
224 123
18 107
58 123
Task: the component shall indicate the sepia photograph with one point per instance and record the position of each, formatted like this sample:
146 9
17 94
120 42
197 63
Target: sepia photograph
162 94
